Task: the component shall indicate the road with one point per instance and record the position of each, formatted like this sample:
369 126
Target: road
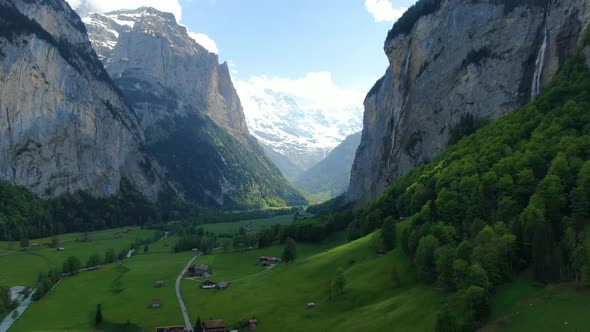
22 306
187 321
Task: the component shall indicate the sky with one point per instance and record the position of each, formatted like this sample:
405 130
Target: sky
299 47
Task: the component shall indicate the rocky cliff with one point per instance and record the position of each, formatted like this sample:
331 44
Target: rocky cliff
188 108
64 127
451 60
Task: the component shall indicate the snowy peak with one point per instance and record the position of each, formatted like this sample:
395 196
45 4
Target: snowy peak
303 135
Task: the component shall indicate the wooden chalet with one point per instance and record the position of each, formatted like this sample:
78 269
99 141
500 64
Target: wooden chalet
216 325
208 284
174 328
155 303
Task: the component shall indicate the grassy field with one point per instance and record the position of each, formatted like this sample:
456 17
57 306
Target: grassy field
521 306
125 294
25 265
257 224
278 297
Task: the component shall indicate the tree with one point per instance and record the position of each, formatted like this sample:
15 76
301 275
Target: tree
290 250
198 325
93 260
542 250
339 281
425 260
54 242
98 314
226 244
477 276
146 248
109 256
388 233
445 321
24 242
71 265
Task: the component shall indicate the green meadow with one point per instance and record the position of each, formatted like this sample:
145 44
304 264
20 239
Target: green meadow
257 225
26 264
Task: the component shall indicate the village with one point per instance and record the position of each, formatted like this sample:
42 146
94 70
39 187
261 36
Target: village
204 274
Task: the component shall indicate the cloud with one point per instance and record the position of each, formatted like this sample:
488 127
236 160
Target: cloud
83 7
315 90
205 41
383 11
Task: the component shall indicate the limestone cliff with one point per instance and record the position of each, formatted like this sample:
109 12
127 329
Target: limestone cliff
450 59
64 127
188 107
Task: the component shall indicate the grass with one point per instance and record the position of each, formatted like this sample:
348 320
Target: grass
25 265
522 306
278 298
257 225
125 294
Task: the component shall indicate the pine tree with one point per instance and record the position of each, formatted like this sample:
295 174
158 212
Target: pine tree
98 314
198 325
290 251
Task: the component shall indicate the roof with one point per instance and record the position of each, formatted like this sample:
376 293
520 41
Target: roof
250 321
222 284
156 301
208 282
202 267
216 323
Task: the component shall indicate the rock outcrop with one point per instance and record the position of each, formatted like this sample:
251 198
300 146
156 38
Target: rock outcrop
188 107
450 59
64 127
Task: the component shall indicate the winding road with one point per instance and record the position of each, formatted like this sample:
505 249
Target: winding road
187 321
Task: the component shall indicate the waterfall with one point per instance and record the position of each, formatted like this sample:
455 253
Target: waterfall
540 62
398 101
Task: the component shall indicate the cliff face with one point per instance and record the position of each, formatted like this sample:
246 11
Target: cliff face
63 125
188 107
450 59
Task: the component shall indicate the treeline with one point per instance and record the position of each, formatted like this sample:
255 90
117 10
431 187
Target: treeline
24 215
514 195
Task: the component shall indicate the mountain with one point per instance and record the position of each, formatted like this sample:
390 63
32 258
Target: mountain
296 137
451 62
64 126
188 107
329 178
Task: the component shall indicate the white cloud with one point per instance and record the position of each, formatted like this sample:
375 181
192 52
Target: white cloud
83 7
315 90
383 11
205 41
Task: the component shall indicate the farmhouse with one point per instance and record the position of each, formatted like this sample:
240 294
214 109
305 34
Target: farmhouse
267 260
252 324
310 305
208 284
222 285
198 271
216 325
175 328
159 284
60 249
155 303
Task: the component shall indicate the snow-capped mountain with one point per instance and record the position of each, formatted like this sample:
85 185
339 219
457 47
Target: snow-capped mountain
303 136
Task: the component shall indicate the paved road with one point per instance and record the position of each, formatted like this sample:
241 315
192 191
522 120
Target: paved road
22 306
187 321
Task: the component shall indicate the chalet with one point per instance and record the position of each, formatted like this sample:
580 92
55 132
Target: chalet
252 324
175 328
60 249
216 325
159 284
155 303
267 260
222 285
310 305
208 284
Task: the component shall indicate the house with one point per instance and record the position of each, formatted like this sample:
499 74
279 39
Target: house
155 303
216 325
159 284
267 260
198 271
222 285
175 328
310 305
60 249
119 263
208 284
380 253
252 324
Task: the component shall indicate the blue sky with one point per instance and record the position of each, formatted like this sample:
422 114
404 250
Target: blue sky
287 38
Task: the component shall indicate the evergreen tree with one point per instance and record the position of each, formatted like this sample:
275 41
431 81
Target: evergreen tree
388 233
98 314
339 281
290 251
198 325
542 250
